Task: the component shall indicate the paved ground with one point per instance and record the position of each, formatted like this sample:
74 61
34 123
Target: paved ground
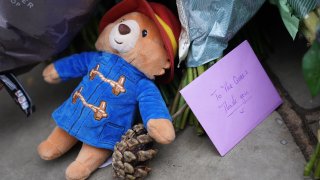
267 153
286 64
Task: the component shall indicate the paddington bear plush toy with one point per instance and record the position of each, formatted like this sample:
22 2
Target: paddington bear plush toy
137 44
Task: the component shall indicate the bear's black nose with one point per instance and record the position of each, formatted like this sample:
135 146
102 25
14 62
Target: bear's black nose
124 29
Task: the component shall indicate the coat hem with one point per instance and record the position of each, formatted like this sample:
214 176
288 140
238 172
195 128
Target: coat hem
103 145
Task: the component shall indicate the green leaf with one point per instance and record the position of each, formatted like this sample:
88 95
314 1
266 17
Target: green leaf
290 21
311 68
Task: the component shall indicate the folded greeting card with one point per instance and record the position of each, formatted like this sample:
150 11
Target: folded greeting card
232 97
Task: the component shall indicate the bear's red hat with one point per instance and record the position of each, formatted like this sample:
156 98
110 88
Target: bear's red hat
167 23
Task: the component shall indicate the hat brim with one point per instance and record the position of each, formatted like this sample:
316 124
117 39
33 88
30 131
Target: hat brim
144 7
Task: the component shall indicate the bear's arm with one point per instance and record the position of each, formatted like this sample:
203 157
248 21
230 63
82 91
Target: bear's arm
151 103
74 66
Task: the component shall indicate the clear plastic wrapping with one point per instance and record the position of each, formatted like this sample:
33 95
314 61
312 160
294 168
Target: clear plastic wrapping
209 25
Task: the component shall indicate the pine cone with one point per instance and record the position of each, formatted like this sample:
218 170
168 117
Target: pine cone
131 154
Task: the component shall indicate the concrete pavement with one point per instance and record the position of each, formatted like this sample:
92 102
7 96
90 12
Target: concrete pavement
269 152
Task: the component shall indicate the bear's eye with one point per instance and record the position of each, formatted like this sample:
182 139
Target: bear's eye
144 33
122 20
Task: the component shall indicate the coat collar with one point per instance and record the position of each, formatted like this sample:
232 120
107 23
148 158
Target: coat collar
128 70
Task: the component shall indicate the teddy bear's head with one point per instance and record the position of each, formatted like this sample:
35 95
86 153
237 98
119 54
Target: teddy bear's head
144 34
135 38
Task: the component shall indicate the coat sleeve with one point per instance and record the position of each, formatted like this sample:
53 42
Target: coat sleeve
74 66
151 103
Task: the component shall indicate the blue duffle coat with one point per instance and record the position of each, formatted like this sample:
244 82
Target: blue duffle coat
94 113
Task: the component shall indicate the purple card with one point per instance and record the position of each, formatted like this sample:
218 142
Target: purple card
232 97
